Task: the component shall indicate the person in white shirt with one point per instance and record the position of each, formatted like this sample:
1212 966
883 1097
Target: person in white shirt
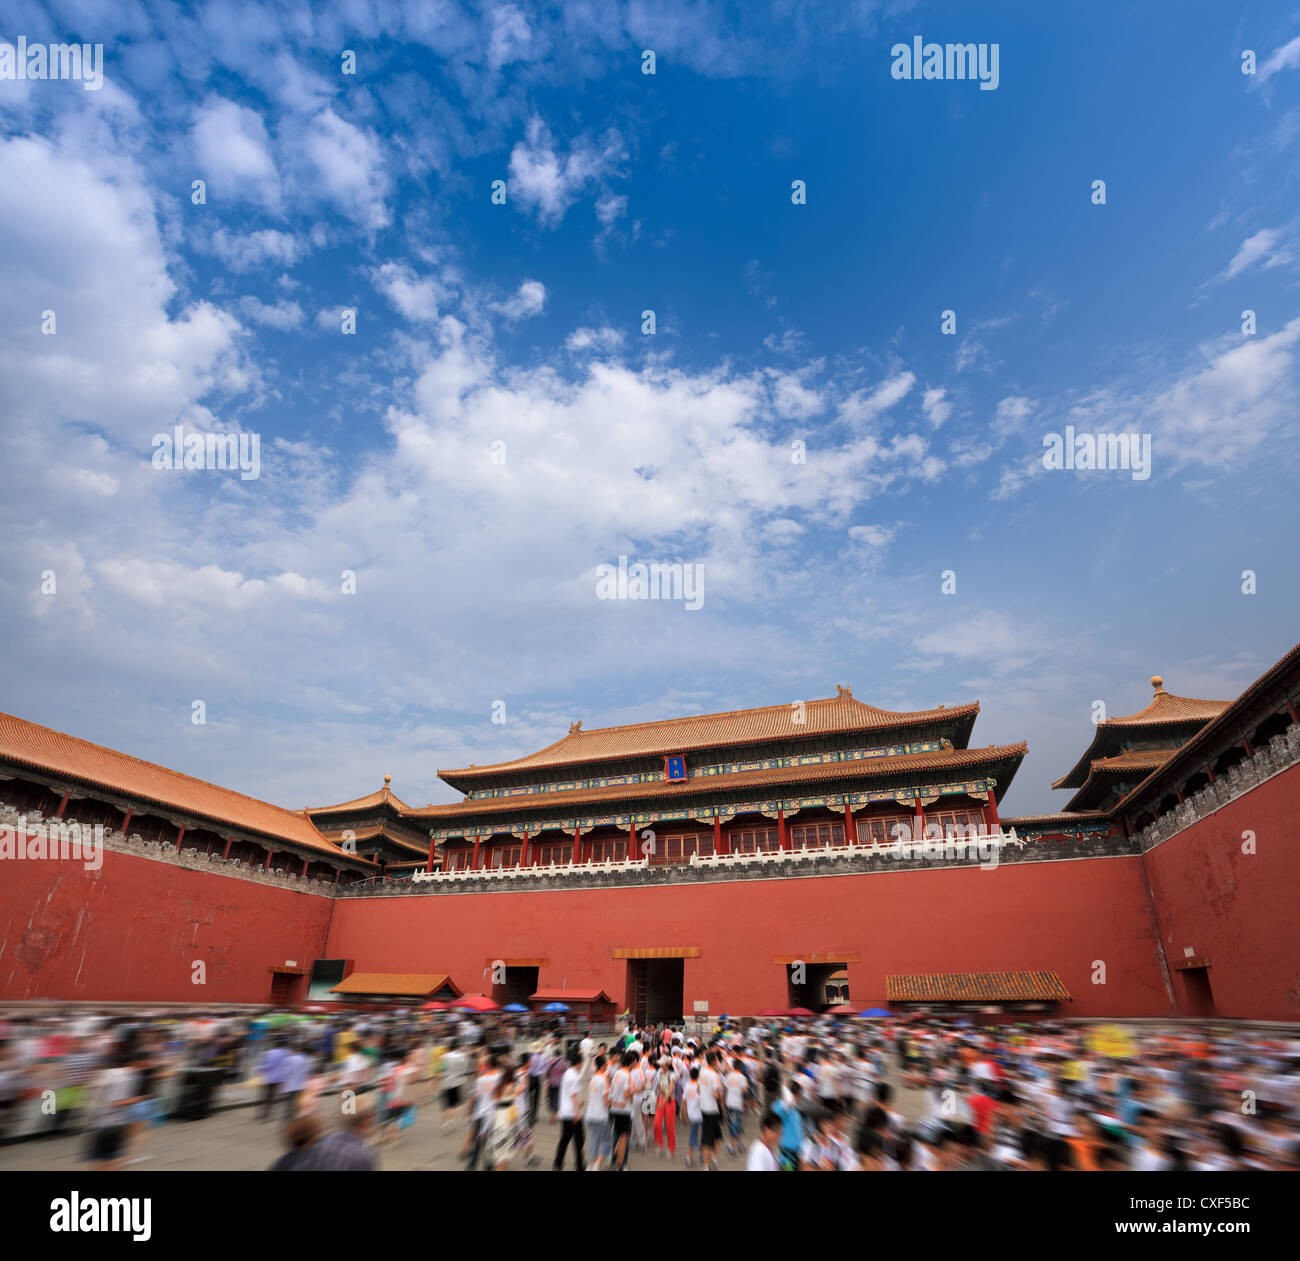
620 1107
711 1093
483 1107
570 1113
599 1131
762 1151
734 1085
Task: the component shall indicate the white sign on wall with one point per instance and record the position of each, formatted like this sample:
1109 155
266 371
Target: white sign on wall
701 1006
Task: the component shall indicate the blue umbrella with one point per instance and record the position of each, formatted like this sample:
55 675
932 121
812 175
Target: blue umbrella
875 1013
555 1007
514 1007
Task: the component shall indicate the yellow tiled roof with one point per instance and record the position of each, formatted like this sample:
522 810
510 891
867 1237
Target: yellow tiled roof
830 715
42 748
976 987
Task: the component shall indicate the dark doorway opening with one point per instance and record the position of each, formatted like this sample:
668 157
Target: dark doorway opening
654 990
1198 998
519 986
806 984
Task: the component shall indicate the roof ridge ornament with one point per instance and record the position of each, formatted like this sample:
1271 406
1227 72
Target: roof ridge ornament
575 728
843 693
1158 683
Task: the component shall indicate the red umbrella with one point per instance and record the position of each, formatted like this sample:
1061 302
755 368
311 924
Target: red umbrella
476 1002
843 1010
771 1011
798 1011
435 1005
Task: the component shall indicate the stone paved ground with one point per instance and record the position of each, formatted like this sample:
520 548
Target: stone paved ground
233 1138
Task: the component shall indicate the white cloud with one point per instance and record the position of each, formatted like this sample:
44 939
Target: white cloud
610 208
234 153
935 406
349 166
1262 247
1287 57
861 408
86 245
528 300
284 315
546 183
247 251
602 339
1226 409
416 297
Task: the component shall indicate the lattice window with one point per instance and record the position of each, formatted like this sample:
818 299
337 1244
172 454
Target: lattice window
554 853
968 821
506 855
816 835
678 849
607 851
754 840
884 829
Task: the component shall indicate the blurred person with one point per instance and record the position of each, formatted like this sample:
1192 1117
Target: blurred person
600 1133
763 1150
665 1113
620 1106
346 1150
570 1114
300 1135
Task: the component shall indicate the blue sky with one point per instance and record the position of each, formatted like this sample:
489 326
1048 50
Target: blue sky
516 328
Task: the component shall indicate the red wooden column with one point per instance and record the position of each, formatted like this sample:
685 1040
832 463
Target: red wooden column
1291 710
1245 744
850 835
717 834
631 840
266 866
918 824
180 835
991 816
225 853
473 862
126 822
304 866
577 845
63 805
783 837
429 865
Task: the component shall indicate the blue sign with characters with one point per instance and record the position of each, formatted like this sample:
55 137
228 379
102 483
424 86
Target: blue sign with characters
675 769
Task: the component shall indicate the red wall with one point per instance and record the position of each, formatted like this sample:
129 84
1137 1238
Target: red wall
133 929
1055 916
1238 910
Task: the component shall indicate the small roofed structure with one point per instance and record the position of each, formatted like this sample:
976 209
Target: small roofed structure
585 1006
1015 990
397 988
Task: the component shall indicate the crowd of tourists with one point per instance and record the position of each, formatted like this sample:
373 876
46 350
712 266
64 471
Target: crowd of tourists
907 1094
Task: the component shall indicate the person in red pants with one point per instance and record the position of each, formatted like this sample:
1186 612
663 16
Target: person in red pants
666 1106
